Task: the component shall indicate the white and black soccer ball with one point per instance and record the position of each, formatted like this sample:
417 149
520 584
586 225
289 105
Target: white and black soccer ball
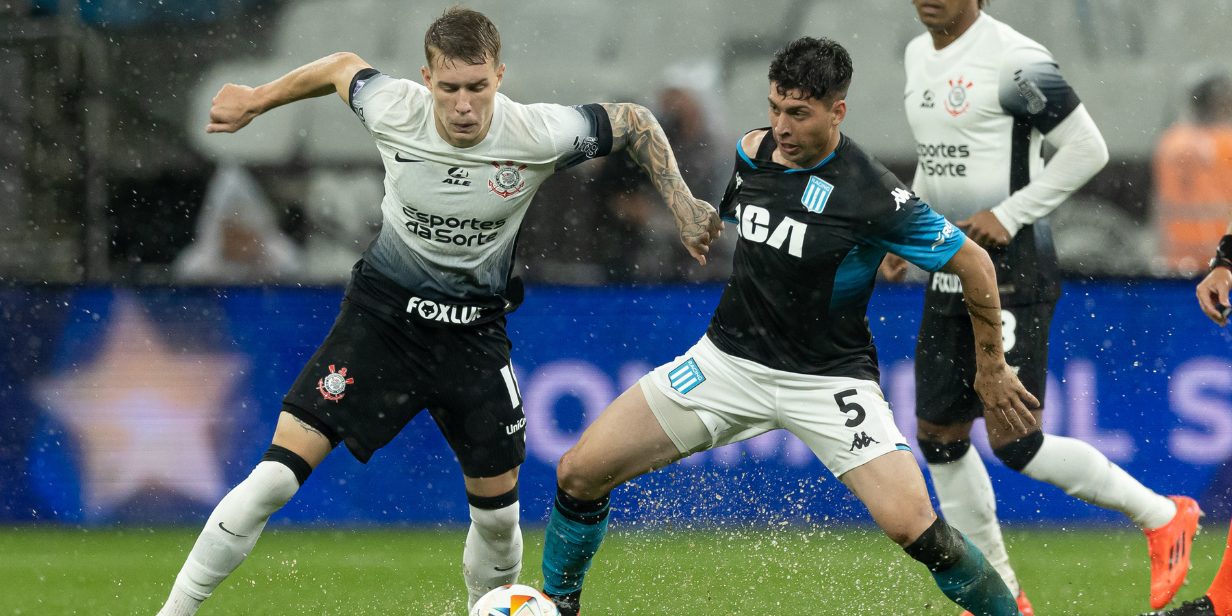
514 600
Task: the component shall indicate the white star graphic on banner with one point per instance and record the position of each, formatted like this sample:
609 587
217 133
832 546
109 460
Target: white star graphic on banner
143 413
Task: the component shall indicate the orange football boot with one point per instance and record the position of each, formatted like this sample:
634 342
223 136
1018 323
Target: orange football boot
1168 547
1024 605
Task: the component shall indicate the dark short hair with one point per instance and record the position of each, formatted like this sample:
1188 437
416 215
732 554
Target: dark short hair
818 68
463 34
1209 96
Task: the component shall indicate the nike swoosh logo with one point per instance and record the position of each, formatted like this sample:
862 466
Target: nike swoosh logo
509 568
398 157
224 529
908 93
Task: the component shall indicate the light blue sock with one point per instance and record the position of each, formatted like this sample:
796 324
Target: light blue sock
976 586
572 539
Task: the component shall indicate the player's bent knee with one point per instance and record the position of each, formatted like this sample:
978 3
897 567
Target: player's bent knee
298 465
937 452
577 479
1018 454
939 547
494 514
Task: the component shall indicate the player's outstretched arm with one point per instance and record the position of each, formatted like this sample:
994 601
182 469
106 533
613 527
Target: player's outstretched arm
636 129
1213 290
235 106
1003 395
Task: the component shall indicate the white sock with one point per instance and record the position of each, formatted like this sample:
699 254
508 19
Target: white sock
493 554
1083 472
968 504
229 535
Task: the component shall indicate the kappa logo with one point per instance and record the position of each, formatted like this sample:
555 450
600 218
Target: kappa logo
507 180
956 103
816 194
862 440
901 196
334 384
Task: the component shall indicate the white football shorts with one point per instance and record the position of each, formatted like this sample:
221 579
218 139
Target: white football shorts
707 398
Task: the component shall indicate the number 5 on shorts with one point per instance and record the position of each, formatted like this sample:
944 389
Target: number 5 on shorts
848 407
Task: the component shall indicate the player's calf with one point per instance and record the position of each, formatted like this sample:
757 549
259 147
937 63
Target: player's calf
575 531
234 526
493 553
961 572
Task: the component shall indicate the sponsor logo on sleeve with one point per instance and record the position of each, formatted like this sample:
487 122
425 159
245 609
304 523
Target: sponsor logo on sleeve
1030 91
944 234
588 146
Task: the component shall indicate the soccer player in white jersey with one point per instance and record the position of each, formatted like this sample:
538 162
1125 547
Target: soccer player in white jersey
982 100
423 322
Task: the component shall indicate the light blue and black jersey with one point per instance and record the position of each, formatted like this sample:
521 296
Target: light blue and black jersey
810 244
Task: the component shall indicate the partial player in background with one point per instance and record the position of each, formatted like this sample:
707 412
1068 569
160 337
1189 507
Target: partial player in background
982 101
423 321
789 346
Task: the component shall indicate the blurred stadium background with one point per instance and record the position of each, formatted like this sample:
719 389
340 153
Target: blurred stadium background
162 287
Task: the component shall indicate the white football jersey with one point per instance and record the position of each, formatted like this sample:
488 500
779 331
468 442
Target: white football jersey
978 109
450 215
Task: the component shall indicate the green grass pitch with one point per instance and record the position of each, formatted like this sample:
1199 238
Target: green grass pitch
729 570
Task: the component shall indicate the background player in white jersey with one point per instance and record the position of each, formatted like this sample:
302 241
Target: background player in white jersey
423 321
789 346
982 100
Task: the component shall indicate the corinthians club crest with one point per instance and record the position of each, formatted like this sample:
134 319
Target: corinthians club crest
956 102
507 181
334 384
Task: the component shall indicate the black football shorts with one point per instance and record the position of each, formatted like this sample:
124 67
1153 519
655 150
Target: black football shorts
945 361
375 372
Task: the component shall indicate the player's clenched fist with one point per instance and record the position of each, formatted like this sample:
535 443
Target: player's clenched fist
232 109
1005 399
700 227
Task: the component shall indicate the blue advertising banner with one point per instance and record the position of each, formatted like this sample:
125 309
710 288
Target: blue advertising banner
146 405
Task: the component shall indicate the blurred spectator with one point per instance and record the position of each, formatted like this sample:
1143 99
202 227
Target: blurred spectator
643 244
237 240
1193 178
344 212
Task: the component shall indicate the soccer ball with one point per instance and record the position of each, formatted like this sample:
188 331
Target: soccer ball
514 600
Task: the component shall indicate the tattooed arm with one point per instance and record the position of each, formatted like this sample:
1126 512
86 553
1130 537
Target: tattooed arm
1005 399
634 128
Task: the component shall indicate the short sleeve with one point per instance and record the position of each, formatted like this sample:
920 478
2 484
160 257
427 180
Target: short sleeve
381 102
727 207
911 229
1033 89
578 133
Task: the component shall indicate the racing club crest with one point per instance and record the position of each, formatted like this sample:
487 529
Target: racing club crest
956 102
334 384
507 181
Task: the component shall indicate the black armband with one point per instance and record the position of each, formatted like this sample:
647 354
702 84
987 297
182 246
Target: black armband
1223 254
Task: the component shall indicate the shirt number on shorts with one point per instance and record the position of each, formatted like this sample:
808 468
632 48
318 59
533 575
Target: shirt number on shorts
849 407
1008 324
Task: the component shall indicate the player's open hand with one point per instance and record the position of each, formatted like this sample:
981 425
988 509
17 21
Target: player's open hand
984 228
1213 293
232 109
700 226
1005 399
